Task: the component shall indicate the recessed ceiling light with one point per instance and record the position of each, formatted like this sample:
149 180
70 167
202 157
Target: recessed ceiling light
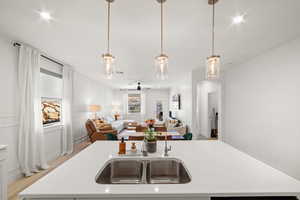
45 15
238 19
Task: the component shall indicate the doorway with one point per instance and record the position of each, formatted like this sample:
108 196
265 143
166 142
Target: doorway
209 110
213 114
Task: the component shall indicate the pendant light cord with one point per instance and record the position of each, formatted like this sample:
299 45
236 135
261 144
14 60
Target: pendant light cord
213 29
161 28
108 27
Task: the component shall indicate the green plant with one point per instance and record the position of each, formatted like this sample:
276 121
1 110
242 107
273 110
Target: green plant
150 136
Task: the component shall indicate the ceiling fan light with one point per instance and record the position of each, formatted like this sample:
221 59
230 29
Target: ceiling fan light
213 67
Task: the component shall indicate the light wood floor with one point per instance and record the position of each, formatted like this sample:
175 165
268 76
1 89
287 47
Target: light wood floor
18 186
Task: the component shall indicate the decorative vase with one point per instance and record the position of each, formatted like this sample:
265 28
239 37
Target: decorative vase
151 146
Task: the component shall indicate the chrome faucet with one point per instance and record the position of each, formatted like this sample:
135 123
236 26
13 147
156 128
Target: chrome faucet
144 149
167 149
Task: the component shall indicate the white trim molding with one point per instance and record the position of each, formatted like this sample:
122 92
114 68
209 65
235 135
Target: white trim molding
80 139
13 175
51 128
7 121
3 173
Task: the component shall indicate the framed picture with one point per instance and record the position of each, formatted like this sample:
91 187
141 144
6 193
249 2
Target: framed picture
134 103
176 102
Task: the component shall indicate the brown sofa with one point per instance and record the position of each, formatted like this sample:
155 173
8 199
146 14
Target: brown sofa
100 134
140 128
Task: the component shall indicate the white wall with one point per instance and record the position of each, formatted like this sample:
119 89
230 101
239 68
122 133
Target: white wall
198 75
262 107
184 88
86 92
8 104
151 97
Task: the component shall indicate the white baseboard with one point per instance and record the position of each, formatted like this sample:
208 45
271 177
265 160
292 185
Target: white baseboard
80 139
14 175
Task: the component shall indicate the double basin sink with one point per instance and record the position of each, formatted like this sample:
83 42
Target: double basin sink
143 171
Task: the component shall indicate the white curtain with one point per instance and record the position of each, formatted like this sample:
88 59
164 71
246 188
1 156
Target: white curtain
67 136
31 148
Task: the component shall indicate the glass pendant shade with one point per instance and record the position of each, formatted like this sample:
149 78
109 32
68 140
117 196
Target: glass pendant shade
213 67
108 62
213 62
161 65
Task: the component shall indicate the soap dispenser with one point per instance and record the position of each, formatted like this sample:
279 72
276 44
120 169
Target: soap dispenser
122 147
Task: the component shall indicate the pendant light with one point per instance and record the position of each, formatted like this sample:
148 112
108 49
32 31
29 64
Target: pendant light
108 58
161 61
213 61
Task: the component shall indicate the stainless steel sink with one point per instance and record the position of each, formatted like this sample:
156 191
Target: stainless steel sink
121 171
167 171
143 171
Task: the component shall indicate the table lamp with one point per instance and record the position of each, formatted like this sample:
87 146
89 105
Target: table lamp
94 109
116 111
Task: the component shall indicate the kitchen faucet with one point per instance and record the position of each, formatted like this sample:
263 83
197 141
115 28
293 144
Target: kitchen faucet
167 149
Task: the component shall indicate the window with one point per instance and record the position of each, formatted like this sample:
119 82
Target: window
51 109
134 103
51 93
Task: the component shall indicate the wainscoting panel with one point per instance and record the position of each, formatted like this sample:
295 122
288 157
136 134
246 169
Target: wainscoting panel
8 121
53 142
9 137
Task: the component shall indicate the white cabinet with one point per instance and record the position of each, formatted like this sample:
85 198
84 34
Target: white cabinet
3 172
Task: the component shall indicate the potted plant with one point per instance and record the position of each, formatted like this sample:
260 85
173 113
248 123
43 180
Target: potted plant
151 141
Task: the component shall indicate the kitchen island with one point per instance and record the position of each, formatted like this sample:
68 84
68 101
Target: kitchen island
216 170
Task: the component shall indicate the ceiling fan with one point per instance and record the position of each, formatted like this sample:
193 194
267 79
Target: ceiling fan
138 87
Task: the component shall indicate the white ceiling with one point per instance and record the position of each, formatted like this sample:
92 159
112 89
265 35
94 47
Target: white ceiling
77 35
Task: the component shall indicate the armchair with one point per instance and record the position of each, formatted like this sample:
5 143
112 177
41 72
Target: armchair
101 134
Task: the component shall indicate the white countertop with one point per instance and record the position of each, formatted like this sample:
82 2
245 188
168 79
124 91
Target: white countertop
217 169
